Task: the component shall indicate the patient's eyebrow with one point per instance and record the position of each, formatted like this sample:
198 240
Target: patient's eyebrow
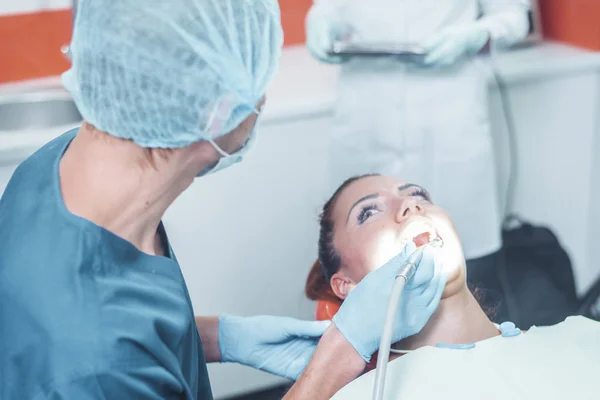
367 197
375 195
421 188
408 186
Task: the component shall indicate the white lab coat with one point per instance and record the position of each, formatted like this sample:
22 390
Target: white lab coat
427 126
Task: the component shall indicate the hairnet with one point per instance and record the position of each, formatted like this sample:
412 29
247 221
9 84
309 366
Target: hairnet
170 73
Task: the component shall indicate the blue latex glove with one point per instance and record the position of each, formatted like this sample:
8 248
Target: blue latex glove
321 32
455 42
279 345
362 315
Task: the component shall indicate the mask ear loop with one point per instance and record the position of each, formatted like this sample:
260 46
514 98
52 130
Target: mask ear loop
220 112
217 148
214 124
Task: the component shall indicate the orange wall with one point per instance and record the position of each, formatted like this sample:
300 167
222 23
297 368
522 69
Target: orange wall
292 19
572 21
30 43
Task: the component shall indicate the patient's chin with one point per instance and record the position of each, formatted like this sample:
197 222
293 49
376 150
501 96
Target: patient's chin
453 267
451 263
456 283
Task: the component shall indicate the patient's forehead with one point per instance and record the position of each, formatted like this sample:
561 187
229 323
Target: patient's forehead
361 188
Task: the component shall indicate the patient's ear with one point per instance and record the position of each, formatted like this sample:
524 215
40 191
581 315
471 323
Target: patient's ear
341 284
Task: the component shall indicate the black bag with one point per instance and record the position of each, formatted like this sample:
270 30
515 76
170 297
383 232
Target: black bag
530 280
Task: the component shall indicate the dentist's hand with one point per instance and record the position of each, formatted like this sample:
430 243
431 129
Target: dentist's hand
321 31
455 42
362 315
279 345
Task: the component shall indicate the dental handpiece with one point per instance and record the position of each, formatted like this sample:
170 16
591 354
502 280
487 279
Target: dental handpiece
410 266
407 271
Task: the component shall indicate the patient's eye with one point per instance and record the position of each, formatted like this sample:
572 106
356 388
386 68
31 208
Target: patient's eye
421 193
366 213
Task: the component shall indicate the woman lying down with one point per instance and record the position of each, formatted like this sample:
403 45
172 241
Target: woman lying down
459 353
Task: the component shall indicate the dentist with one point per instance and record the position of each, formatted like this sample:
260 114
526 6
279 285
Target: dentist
93 304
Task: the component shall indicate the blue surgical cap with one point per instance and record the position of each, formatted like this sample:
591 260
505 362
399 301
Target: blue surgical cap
168 73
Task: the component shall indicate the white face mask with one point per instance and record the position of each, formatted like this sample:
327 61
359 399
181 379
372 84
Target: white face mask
228 160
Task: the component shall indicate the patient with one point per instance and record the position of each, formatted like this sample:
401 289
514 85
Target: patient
368 221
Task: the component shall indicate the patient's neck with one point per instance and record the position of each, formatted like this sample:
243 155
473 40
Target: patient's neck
459 319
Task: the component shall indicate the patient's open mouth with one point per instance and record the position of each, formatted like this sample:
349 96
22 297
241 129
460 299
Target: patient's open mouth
420 234
422 239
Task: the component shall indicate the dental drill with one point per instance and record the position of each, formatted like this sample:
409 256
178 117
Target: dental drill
405 274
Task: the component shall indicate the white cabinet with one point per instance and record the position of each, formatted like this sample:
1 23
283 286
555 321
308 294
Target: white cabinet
557 159
6 171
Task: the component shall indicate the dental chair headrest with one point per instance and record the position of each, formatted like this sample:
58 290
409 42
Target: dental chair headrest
326 309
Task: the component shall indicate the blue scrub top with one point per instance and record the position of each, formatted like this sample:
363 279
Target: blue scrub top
83 313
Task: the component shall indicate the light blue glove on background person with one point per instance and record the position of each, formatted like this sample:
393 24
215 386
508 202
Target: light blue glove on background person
279 345
362 314
322 29
455 42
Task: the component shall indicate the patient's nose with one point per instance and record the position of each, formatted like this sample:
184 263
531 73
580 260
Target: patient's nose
408 207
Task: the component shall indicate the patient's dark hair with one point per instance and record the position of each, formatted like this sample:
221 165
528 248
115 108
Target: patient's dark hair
329 261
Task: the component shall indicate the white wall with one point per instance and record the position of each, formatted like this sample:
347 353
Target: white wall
593 233
6 171
31 6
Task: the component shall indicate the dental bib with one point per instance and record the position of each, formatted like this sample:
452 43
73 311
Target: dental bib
556 362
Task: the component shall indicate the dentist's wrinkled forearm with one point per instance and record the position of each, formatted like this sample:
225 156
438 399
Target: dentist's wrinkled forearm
335 363
208 328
